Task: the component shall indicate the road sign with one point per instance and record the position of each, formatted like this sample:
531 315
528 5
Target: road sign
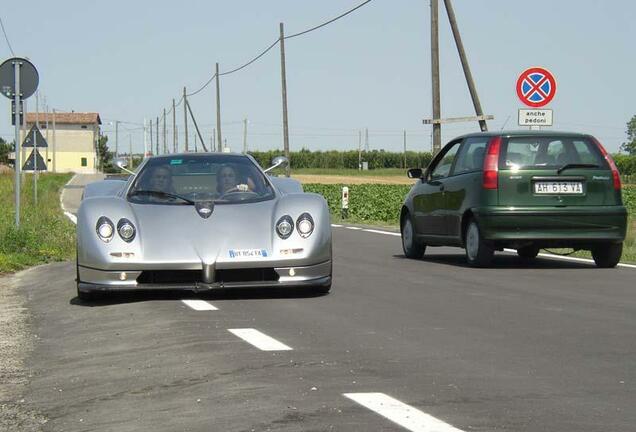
536 87
31 160
535 117
29 78
34 137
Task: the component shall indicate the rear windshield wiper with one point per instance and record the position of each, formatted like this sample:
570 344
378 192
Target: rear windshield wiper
576 165
160 194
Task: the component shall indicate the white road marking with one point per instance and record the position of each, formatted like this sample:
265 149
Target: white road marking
337 226
382 232
68 214
401 413
571 258
353 228
259 340
200 305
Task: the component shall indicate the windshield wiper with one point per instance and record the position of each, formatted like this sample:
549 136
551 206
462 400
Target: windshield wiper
161 194
576 165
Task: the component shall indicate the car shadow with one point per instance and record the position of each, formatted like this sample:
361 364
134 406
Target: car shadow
503 261
219 294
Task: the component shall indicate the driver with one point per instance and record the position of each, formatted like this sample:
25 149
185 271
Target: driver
228 181
160 179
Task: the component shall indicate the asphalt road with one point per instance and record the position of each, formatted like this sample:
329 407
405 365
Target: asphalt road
548 346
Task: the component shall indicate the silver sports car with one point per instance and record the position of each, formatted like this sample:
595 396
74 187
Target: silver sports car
200 221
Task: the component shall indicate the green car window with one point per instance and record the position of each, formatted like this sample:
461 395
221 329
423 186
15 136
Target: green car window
443 167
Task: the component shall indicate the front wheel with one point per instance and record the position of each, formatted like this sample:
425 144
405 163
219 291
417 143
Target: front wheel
478 252
607 255
412 249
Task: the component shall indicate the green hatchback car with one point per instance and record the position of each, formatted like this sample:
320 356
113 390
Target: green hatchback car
523 190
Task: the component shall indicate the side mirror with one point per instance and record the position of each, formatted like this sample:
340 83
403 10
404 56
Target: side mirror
278 161
122 164
414 173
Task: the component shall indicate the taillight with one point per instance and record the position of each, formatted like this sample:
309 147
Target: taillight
615 174
491 164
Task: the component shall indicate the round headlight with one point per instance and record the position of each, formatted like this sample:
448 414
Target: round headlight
126 230
285 226
305 225
105 229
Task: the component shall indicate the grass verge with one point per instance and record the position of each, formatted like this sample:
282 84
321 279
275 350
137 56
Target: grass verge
45 233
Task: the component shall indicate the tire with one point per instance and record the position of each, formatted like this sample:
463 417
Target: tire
478 252
412 248
528 252
607 255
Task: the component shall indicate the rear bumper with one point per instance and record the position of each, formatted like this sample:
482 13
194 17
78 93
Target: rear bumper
94 280
554 226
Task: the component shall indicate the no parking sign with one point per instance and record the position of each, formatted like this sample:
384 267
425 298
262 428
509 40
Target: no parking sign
536 87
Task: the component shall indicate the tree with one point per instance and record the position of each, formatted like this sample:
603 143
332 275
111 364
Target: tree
105 155
630 145
5 149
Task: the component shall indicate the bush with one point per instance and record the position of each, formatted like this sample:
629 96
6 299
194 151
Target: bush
345 159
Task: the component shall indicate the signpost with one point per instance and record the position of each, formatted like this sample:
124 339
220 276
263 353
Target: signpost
536 87
18 81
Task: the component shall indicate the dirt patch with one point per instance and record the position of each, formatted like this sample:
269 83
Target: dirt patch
16 343
335 179
5 169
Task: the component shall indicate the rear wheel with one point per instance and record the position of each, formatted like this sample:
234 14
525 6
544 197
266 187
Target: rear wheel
607 255
412 249
478 252
528 252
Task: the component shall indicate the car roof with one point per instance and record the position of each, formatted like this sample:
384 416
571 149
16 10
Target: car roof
521 132
197 154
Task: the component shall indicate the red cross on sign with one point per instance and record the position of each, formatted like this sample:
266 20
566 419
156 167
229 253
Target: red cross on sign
536 87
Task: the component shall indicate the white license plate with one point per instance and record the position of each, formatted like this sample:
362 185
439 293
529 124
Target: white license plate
554 187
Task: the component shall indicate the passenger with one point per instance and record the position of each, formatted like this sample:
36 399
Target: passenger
228 181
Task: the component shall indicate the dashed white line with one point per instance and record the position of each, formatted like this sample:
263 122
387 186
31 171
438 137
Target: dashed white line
259 340
401 413
200 305
382 232
68 214
353 228
337 226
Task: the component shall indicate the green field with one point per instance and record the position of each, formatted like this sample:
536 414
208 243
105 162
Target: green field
381 172
45 234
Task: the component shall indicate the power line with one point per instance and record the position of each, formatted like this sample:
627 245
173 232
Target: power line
202 87
328 22
6 37
253 60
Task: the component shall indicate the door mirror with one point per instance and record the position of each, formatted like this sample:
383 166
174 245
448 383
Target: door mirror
414 173
122 164
278 161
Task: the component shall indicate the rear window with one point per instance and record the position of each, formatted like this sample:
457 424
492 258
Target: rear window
535 152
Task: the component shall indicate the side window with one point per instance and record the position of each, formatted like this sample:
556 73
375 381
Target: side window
443 167
84 162
471 155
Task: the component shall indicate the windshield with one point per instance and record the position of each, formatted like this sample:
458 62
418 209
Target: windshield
532 152
186 179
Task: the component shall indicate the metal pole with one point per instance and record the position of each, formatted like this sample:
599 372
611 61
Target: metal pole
404 148
130 151
46 123
165 145
54 143
437 127
218 108
359 149
174 127
35 148
244 135
185 118
16 99
366 139
214 139
116 138
157 128
283 75
151 143
465 65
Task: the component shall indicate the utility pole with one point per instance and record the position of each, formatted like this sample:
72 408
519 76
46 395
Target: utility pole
116 138
437 127
366 139
165 145
174 127
54 143
151 140
284 90
218 108
405 148
462 56
130 164
157 131
212 148
185 118
359 150
245 135
214 139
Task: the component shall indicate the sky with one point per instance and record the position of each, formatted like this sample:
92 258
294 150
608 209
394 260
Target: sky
127 60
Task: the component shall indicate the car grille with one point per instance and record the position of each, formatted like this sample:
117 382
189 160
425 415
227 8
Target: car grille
195 276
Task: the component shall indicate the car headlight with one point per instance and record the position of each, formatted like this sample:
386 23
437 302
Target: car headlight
105 229
126 230
305 225
285 227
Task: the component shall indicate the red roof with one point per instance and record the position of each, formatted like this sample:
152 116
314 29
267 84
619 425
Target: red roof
66 118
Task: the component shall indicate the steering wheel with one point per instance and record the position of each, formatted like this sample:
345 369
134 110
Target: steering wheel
238 194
